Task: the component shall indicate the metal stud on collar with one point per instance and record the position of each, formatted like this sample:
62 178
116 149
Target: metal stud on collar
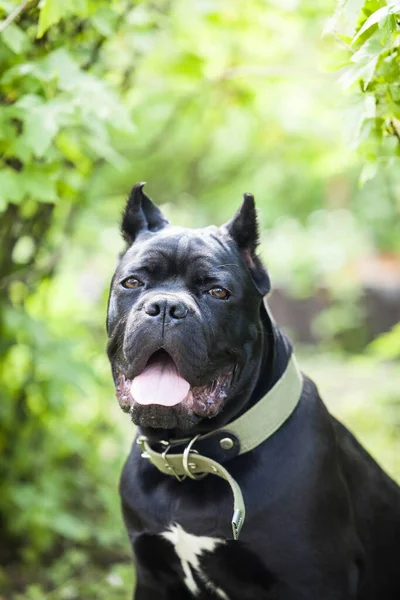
226 443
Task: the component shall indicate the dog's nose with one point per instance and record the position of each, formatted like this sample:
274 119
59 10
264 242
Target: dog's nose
153 308
171 307
177 310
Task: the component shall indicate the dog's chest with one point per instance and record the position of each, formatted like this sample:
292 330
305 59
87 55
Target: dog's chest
192 550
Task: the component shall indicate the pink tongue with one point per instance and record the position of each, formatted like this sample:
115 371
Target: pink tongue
160 383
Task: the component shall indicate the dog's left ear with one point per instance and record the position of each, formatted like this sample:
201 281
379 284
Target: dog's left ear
140 215
243 229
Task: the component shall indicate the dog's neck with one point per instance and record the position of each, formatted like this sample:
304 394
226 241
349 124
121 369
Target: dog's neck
276 353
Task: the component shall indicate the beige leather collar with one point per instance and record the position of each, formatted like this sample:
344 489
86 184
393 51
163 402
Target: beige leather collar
253 428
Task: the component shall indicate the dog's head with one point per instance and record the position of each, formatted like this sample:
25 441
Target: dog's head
185 336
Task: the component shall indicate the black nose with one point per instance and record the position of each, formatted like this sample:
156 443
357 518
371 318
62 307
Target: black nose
177 310
171 307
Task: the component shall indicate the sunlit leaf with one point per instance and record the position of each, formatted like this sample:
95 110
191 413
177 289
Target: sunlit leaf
364 70
15 38
104 20
10 189
51 11
387 345
373 19
346 14
39 184
368 172
61 66
23 250
40 127
43 122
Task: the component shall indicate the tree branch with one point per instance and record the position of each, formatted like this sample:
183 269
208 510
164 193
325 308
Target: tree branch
14 14
341 42
396 127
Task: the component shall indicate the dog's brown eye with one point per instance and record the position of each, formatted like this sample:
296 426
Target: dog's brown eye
219 292
131 283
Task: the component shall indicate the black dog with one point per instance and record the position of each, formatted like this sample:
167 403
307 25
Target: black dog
203 370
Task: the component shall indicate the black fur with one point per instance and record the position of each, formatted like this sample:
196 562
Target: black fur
140 215
323 519
243 228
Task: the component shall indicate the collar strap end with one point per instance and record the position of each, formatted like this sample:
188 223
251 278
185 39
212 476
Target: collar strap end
237 522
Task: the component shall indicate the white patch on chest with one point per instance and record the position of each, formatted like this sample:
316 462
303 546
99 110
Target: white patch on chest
189 549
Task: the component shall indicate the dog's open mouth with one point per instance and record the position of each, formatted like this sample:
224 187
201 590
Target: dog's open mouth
161 385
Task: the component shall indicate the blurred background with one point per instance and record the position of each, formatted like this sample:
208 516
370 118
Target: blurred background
296 101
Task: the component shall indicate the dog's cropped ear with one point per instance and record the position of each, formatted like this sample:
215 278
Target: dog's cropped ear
243 229
140 215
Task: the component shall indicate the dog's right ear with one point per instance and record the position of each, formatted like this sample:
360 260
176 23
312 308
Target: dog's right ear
243 229
140 215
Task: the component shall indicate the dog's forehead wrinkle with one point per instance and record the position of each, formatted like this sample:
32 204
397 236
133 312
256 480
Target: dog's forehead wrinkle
221 238
184 251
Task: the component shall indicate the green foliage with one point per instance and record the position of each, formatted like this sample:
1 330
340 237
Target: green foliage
387 346
204 101
372 73
57 445
76 577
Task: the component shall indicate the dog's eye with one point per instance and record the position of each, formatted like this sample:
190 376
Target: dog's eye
219 292
131 283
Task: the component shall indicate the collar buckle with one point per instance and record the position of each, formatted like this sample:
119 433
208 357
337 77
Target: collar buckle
142 441
189 467
168 465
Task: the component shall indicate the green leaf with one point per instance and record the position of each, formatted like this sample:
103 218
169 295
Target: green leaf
347 11
387 345
369 50
368 172
7 129
43 122
394 8
15 38
10 186
29 101
364 71
39 183
20 149
394 89
61 66
39 130
387 27
23 250
69 144
389 69
70 527
365 61
23 71
50 13
373 19
104 21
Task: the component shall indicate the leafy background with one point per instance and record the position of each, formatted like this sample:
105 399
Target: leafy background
296 101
